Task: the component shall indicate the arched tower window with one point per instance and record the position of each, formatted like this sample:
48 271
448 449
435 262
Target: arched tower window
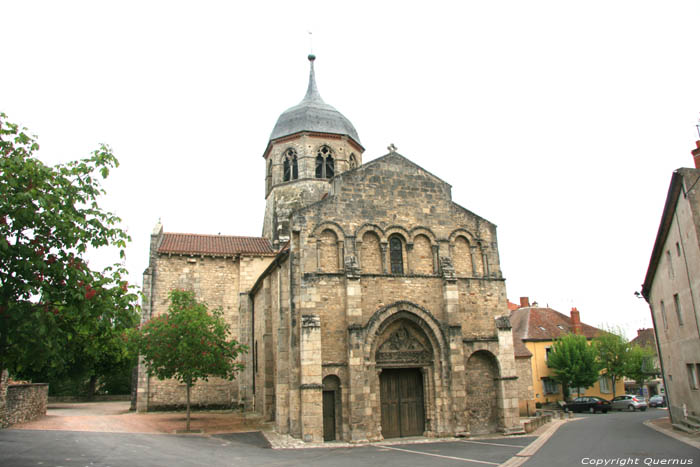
325 166
352 161
291 170
396 255
269 174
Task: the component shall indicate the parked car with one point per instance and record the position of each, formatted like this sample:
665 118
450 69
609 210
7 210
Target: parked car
657 401
629 402
588 404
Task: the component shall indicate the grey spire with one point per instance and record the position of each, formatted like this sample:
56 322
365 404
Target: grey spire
312 114
312 93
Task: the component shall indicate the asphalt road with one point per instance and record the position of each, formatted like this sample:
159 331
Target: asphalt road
25 448
620 438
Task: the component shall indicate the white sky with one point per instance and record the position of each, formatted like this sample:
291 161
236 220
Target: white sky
559 121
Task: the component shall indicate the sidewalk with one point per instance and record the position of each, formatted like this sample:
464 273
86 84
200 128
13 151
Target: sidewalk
115 417
663 425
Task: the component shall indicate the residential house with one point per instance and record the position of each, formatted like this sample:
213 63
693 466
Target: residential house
534 331
672 289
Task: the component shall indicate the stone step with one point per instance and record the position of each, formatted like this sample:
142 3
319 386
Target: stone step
694 419
685 428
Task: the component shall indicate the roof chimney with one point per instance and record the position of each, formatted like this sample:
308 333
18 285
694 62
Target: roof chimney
524 302
576 327
696 155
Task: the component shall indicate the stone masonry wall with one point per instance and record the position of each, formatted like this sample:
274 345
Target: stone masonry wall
216 281
24 402
393 197
523 369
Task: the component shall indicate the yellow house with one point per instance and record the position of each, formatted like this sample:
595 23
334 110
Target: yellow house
534 332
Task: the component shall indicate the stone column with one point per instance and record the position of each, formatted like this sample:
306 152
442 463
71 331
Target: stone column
409 251
282 361
472 256
450 291
358 398
457 381
311 380
318 255
436 262
142 378
382 247
341 254
508 402
245 378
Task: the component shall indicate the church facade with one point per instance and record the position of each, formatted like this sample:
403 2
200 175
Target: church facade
373 305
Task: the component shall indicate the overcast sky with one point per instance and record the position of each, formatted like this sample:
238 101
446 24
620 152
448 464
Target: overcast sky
559 121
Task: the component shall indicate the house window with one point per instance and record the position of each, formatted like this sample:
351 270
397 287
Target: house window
663 315
291 169
325 167
550 386
670 264
396 255
605 387
693 376
677 305
352 161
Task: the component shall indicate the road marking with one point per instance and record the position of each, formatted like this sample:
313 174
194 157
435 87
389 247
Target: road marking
439 455
492 444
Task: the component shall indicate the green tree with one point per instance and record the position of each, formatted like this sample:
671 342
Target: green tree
188 343
573 362
613 349
639 365
50 300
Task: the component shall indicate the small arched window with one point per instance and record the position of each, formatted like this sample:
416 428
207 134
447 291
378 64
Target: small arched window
352 161
269 174
325 165
291 170
396 255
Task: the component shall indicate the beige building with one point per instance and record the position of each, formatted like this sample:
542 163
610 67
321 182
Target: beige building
373 305
672 289
534 331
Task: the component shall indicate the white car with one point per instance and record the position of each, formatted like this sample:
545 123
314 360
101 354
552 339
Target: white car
629 402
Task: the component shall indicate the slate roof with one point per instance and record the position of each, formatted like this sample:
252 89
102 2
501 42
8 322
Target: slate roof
313 114
214 245
544 324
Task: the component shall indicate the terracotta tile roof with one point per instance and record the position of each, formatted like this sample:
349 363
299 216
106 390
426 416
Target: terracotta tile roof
214 245
512 306
645 338
540 324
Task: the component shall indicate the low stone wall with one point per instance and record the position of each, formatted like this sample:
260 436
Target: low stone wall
95 398
23 402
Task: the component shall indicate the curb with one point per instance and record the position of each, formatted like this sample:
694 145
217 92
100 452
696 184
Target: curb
524 455
673 434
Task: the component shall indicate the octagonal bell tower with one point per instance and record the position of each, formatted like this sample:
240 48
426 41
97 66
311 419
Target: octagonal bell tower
311 143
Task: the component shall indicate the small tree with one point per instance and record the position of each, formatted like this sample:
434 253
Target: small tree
639 365
188 343
573 361
613 349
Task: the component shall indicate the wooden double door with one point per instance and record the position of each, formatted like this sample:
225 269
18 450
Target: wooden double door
403 408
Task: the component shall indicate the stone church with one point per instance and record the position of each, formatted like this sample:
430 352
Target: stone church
373 306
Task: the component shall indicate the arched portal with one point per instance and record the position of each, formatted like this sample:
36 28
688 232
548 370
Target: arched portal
482 392
403 355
